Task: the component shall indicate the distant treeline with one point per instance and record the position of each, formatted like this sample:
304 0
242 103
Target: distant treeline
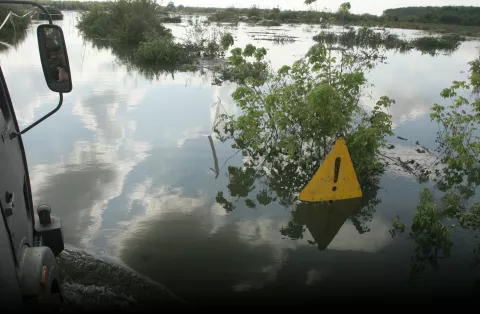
456 15
74 5
283 16
468 16
411 17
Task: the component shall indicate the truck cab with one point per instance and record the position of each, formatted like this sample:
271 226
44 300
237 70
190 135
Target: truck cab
30 240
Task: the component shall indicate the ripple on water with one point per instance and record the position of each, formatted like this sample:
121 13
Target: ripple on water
90 282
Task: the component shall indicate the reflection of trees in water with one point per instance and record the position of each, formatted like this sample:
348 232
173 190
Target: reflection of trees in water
12 37
324 220
290 120
366 38
281 184
125 55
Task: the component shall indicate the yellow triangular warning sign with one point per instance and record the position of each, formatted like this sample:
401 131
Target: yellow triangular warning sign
335 179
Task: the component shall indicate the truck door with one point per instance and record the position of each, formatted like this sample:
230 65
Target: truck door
15 199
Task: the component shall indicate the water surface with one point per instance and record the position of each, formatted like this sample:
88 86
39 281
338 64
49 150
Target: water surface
126 165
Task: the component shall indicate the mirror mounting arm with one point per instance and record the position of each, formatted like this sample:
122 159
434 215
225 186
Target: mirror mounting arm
60 102
30 3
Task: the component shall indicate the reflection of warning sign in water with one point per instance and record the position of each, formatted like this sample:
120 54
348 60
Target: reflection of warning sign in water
336 178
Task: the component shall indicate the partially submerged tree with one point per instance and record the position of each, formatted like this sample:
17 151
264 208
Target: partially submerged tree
134 30
291 118
171 6
457 174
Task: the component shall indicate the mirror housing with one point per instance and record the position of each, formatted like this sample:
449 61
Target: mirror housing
53 54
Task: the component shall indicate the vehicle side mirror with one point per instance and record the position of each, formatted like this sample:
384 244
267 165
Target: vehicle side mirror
53 54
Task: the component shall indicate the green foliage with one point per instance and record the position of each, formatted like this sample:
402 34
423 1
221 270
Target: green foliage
367 38
225 15
239 67
431 44
224 202
475 75
344 9
254 11
291 118
459 177
134 29
234 15
75 5
227 41
128 22
432 228
171 6
205 41
439 19
171 19
459 141
429 232
161 51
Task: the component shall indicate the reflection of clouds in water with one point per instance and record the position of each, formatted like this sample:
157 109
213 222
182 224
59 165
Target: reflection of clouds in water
222 93
410 105
80 188
412 115
158 202
27 88
197 226
191 227
105 113
95 172
190 135
258 233
415 81
348 239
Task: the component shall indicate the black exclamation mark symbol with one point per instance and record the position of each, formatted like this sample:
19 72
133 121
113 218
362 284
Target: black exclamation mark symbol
338 161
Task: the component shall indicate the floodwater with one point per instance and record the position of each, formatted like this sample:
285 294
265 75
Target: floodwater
127 166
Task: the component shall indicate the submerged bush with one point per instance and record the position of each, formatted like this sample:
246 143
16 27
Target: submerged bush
457 174
136 26
369 39
171 19
430 43
128 22
161 51
225 15
227 41
291 118
206 41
